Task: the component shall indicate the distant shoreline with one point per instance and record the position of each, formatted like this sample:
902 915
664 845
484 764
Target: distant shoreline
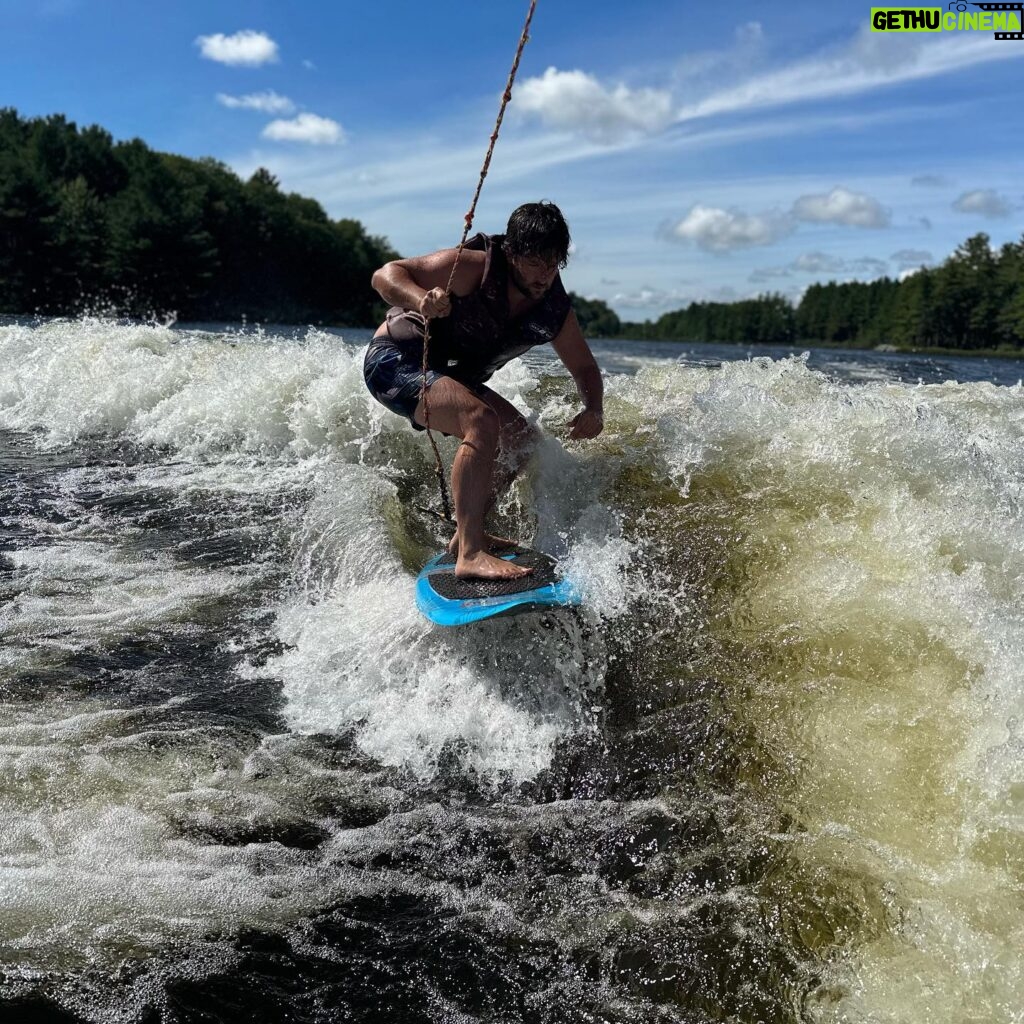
274 326
885 349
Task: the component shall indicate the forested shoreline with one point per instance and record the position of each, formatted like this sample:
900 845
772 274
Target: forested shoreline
974 301
90 225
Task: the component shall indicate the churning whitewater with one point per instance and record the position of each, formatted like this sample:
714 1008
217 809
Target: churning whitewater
769 772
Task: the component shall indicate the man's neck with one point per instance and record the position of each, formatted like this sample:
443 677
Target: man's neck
517 289
518 300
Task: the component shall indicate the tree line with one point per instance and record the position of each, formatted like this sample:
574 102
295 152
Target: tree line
90 224
974 300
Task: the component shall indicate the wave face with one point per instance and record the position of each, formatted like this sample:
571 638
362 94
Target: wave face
770 772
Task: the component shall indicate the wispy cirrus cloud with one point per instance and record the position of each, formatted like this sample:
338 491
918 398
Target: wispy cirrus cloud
870 265
246 48
650 297
871 61
905 258
764 275
817 263
571 121
268 102
706 67
577 101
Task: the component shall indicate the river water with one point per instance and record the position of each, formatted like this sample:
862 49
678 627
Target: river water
772 770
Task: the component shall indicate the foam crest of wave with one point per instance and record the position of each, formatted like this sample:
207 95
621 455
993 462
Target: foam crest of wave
184 390
874 575
361 659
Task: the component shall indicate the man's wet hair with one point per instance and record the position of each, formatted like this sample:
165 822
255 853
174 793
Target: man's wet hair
538 229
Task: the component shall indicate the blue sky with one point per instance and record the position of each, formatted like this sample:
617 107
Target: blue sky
698 151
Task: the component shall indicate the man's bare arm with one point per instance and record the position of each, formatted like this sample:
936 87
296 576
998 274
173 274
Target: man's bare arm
573 350
420 281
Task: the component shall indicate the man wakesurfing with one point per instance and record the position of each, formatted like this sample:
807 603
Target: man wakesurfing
506 297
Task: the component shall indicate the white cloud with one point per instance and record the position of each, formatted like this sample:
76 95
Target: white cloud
984 201
246 48
841 206
268 102
929 181
576 101
317 131
716 230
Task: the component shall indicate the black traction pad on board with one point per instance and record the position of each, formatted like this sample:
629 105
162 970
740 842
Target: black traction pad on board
446 584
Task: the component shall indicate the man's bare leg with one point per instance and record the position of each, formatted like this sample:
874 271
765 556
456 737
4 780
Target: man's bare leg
508 465
454 409
516 441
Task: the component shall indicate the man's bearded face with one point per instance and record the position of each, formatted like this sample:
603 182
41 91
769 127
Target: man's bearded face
533 275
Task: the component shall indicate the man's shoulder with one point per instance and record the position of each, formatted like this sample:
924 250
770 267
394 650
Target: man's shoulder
470 270
442 259
469 256
482 242
473 259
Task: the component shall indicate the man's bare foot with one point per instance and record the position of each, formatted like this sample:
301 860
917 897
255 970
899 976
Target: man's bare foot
490 541
484 566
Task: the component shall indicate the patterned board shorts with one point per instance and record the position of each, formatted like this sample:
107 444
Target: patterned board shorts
393 365
394 375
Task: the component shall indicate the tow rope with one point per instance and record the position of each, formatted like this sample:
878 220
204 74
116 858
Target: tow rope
506 96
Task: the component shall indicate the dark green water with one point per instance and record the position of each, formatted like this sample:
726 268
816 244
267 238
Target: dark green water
769 773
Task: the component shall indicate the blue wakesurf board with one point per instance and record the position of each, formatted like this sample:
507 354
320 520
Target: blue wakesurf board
449 601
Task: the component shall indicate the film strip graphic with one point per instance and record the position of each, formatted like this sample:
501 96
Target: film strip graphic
1018 7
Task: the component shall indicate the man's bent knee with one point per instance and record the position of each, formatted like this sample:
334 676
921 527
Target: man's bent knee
482 426
519 439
